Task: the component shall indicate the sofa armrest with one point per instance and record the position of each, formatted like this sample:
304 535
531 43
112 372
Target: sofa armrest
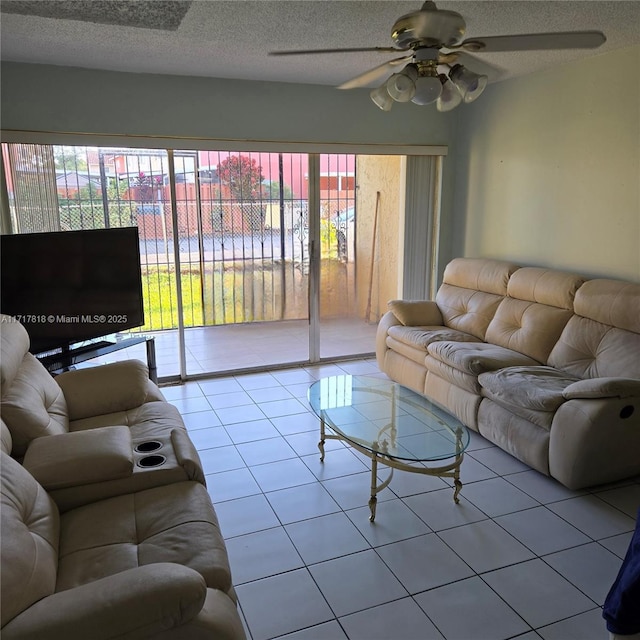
187 455
136 603
118 386
416 313
603 388
80 457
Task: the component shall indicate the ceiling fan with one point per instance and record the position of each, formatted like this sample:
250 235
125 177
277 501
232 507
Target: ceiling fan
432 41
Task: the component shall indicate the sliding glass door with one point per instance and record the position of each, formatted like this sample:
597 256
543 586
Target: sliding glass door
249 260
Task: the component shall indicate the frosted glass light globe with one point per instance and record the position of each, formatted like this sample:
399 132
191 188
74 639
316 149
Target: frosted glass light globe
428 90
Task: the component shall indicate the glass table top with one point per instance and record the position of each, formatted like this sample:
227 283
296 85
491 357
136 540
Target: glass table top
386 418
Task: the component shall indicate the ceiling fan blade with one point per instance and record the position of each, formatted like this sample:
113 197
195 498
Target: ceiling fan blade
534 42
303 52
375 74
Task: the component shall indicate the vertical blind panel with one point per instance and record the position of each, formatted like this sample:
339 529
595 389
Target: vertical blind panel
33 175
419 208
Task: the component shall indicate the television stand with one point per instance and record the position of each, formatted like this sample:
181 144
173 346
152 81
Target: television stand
67 357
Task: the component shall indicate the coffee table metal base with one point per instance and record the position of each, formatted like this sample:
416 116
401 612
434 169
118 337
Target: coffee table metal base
451 470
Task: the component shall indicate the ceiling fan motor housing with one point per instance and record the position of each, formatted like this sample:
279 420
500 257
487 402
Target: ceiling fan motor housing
430 27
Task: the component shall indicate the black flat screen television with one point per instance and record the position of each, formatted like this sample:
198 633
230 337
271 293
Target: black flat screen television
72 286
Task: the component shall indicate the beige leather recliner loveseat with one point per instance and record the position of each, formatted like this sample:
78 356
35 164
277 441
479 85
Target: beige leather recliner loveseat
109 547
544 363
90 434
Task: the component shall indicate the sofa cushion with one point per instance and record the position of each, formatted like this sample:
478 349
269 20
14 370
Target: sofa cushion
480 274
33 405
117 386
467 310
590 349
412 352
532 317
422 337
146 421
174 523
30 532
545 286
612 302
535 388
475 358
527 327
416 312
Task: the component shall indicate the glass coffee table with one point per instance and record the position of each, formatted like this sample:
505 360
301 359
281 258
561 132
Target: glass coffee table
391 425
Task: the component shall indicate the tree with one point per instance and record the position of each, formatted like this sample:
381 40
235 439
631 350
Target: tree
273 191
69 159
243 176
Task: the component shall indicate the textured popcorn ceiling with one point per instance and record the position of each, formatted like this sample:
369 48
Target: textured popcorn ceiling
146 14
231 39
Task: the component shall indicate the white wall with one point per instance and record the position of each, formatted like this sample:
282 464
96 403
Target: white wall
547 169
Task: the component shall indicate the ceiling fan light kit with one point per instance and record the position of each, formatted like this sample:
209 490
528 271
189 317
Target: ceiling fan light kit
450 97
470 84
402 85
427 76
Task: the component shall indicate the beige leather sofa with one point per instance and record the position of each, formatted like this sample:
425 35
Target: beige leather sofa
92 433
149 564
544 363
108 530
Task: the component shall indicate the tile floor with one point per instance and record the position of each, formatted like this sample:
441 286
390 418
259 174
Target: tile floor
233 347
520 557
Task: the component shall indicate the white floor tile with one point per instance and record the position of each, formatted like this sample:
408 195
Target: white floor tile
245 413
496 496
394 521
229 399
221 459
440 512
326 537
541 487
537 592
279 408
485 546
269 394
191 405
251 430
210 438
338 462
219 386
541 530
353 491
618 544
627 499
468 610
297 423
498 461
264 603
201 420
302 502
265 450
423 563
593 516
282 474
356 582
248 558
584 626
400 620
230 485
245 515
325 631
589 567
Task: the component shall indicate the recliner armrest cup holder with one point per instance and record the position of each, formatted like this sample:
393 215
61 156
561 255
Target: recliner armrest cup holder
151 461
147 447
